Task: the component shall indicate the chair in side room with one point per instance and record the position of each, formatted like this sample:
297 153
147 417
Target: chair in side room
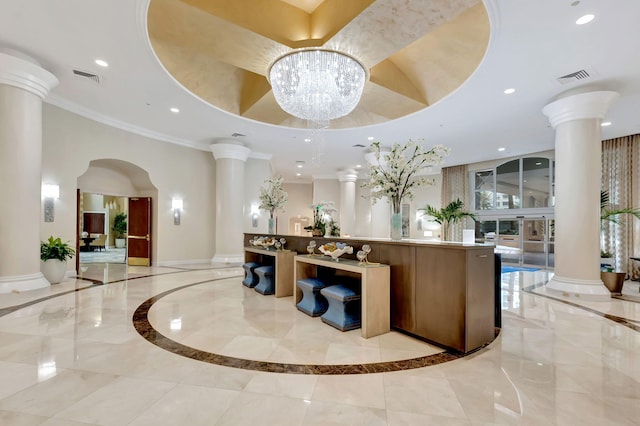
99 242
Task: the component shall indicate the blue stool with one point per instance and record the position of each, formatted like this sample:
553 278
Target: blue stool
265 285
312 302
344 312
250 277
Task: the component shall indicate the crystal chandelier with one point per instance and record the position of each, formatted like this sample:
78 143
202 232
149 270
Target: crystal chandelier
317 85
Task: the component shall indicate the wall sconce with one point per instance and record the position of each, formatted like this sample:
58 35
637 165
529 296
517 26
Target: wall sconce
176 205
50 193
255 212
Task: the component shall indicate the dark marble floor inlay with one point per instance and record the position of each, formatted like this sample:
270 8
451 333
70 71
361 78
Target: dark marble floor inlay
145 329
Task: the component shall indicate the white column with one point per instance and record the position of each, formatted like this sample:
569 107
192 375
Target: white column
23 85
576 119
380 210
230 159
347 201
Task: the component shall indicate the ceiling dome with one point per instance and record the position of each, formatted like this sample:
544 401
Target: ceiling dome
221 50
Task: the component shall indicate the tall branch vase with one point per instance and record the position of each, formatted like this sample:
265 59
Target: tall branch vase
396 220
272 224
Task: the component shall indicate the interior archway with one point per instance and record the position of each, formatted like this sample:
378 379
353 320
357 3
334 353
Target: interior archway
103 191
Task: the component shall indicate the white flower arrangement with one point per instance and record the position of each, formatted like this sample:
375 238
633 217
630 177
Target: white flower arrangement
400 171
273 197
322 215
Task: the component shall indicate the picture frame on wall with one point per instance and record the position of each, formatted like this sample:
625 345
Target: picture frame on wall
405 211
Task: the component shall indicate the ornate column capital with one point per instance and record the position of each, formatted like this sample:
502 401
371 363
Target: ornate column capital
228 150
589 105
347 176
23 72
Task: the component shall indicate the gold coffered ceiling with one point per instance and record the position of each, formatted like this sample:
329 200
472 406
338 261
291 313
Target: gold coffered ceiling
417 51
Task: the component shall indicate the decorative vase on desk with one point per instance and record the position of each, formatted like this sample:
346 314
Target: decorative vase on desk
272 225
396 226
396 218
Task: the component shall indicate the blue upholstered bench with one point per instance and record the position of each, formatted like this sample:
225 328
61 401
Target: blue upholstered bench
344 312
250 277
266 284
312 302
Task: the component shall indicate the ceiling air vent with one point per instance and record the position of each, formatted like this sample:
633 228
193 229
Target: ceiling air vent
237 135
358 145
90 76
573 77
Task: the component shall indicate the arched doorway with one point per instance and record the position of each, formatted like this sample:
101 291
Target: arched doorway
105 191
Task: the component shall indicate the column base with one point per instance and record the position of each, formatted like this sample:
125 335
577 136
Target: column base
233 259
20 283
593 290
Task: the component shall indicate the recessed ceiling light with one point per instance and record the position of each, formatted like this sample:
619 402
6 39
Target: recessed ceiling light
585 19
174 110
358 166
605 123
538 163
307 140
501 149
101 62
299 166
298 174
509 91
370 138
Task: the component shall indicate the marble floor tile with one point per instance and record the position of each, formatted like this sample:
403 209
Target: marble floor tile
72 355
359 390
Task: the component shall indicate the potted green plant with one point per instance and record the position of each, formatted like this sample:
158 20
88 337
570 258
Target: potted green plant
53 256
612 279
120 229
321 214
448 215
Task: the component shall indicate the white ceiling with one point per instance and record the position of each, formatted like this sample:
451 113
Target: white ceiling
532 44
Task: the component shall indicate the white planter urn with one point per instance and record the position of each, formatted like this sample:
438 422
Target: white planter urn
53 270
120 242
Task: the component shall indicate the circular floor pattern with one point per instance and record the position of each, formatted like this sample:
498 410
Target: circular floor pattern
147 331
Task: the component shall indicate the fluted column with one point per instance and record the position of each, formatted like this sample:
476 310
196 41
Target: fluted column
576 119
23 86
380 209
347 201
230 160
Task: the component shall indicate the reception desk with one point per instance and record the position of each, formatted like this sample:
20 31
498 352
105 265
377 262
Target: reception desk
440 292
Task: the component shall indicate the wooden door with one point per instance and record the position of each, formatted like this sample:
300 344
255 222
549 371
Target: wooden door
139 232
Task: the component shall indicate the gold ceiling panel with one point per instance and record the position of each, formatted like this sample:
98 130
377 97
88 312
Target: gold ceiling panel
254 88
442 60
266 109
282 21
175 22
387 74
390 25
417 51
387 103
307 5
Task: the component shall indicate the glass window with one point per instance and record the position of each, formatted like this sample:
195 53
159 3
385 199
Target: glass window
535 182
508 185
486 231
483 187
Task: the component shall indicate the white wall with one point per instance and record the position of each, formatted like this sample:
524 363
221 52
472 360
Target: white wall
255 173
299 202
71 142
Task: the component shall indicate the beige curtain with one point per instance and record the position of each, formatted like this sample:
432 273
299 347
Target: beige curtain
621 178
455 185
